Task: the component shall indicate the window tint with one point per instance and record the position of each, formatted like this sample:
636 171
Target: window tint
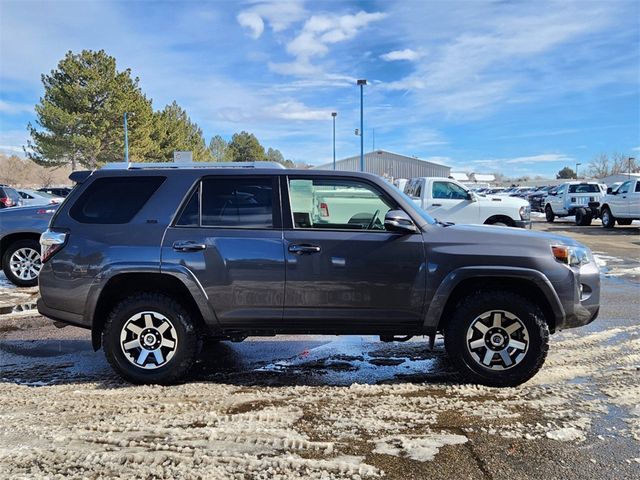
190 216
584 188
337 204
114 199
638 186
238 202
449 190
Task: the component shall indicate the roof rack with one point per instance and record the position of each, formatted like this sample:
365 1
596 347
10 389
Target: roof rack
142 165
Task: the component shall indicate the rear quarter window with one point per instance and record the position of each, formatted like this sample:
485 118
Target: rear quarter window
114 200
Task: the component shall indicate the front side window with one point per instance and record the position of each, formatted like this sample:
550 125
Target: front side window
638 186
327 203
238 202
449 191
624 188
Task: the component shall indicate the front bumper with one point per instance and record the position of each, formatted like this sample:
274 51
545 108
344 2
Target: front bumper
580 296
523 224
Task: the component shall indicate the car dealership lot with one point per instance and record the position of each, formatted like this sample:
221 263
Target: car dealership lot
330 407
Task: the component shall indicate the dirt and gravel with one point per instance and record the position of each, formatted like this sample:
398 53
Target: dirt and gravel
326 407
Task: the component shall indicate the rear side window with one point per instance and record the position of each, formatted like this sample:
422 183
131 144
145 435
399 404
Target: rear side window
238 202
114 200
638 186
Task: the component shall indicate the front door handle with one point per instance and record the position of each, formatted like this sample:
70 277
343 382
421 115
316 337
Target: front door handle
300 249
188 246
436 204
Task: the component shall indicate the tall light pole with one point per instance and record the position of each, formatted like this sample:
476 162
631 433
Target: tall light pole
577 165
334 114
629 168
126 139
362 83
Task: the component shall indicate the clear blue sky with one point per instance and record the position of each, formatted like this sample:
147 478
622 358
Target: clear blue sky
517 87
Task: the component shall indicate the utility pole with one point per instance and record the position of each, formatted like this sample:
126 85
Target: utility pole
577 165
126 139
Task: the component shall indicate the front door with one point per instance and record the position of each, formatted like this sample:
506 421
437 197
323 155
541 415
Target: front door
229 237
452 203
344 271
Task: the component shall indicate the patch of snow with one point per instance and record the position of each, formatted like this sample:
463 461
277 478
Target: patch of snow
422 448
566 434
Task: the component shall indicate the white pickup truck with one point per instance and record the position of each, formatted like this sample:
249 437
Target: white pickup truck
621 204
573 198
450 201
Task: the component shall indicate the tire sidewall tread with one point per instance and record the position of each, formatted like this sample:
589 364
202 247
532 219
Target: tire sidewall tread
17 245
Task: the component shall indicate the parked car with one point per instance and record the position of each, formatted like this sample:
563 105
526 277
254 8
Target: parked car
537 198
572 199
57 191
450 201
153 259
20 230
400 183
620 204
36 197
9 197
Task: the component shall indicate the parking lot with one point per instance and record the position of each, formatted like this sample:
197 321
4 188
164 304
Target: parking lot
330 407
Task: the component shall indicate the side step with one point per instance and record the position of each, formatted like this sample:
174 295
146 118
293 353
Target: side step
395 338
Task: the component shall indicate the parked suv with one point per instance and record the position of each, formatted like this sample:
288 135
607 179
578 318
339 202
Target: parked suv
155 258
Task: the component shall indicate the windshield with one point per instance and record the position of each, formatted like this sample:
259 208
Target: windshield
425 216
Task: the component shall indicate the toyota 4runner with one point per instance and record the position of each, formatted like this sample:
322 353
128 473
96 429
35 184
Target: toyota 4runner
157 258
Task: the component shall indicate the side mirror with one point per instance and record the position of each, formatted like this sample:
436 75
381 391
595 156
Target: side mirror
399 221
472 196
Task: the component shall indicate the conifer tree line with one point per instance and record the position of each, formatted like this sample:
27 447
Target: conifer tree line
80 121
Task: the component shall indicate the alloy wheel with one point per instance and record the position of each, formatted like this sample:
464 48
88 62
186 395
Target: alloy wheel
497 340
25 263
148 340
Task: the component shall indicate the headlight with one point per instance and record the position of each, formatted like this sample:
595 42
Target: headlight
571 255
525 212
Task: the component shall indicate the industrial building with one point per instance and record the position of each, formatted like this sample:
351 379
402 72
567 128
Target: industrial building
390 165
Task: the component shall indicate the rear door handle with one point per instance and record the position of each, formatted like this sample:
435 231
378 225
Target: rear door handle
436 204
300 249
188 246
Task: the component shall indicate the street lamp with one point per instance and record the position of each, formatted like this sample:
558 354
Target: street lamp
362 83
334 115
629 167
577 165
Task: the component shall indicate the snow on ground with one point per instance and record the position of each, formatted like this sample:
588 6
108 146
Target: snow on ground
68 415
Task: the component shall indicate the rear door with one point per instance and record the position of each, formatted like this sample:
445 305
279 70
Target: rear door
229 236
345 272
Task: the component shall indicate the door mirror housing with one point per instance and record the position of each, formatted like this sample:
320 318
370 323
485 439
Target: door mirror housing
472 196
399 221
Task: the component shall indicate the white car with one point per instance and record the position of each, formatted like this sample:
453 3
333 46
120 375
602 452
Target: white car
573 198
621 204
449 201
35 197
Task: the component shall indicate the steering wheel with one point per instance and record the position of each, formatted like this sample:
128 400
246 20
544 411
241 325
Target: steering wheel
373 219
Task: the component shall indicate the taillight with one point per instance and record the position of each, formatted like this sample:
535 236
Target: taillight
324 210
50 243
6 201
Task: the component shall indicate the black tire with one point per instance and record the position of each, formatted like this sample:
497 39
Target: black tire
181 327
608 220
549 215
625 221
491 302
583 218
28 244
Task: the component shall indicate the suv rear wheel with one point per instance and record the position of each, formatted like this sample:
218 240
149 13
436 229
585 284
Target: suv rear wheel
21 263
150 338
496 338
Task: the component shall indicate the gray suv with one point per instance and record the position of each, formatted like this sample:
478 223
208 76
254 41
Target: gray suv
155 259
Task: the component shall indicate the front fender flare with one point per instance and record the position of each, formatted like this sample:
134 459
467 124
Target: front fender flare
454 278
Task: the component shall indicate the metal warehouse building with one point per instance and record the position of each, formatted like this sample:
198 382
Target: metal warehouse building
388 164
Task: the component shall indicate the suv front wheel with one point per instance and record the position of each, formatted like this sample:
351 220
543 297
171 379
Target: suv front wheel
497 338
150 338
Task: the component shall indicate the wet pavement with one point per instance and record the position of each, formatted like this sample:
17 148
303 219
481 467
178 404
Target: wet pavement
325 406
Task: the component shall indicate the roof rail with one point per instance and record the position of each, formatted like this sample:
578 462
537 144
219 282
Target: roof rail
142 165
